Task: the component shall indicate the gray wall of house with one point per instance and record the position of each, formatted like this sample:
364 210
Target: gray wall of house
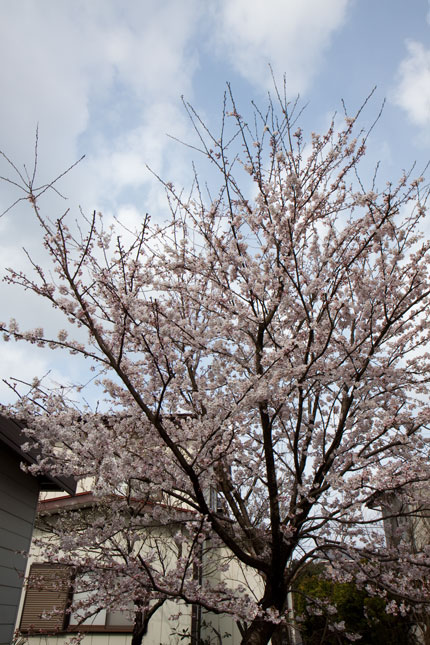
18 504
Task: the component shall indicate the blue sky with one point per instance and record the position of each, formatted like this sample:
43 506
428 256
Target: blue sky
104 78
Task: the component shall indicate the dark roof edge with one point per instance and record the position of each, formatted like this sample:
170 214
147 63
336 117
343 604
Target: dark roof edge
12 435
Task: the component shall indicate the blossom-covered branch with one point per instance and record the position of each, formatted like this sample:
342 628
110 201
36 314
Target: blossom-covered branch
268 346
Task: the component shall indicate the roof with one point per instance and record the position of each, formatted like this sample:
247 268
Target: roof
12 436
86 499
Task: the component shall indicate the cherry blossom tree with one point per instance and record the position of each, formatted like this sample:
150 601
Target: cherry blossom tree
263 355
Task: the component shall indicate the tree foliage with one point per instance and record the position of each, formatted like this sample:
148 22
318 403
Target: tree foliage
268 343
322 605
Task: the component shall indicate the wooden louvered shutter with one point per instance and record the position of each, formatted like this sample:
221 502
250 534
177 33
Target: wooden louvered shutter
48 593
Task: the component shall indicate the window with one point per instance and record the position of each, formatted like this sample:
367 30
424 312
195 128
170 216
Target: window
107 620
48 596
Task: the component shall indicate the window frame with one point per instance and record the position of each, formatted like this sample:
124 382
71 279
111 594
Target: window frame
35 596
39 599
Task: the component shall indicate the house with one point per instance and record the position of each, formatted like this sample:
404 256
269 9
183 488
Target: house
405 515
48 616
19 492
406 520
55 587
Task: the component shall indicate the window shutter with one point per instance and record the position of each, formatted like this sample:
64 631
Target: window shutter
48 590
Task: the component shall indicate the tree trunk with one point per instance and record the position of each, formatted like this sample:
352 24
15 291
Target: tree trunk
140 628
281 636
258 633
141 620
138 634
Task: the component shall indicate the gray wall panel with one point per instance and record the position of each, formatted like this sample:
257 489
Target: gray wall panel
11 505
18 502
8 614
12 560
12 541
5 636
10 577
15 524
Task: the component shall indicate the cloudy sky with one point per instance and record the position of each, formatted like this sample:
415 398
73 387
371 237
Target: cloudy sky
104 78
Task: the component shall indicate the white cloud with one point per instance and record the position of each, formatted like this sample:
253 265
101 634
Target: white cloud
86 67
96 76
25 363
413 90
290 35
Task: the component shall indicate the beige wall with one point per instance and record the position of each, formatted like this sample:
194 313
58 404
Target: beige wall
159 631
218 565
160 628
